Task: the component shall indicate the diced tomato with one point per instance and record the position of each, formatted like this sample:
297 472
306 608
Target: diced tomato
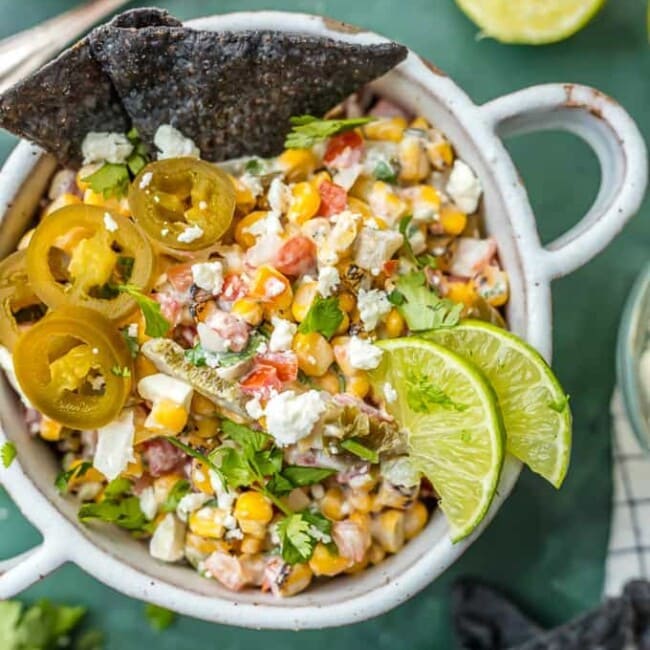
333 199
180 277
344 150
390 267
233 288
285 363
297 256
261 379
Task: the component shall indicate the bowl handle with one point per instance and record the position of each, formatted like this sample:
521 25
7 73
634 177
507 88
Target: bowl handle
23 570
614 138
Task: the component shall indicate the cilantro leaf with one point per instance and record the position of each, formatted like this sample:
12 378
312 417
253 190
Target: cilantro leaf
125 513
110 179
131 342
235 467
118 487
254 167
324 316
63 478
359 449
178 491
155 323
422 395
159 618
268 462
279 485
422 308
384 172
121 371
8 453
308 130
301 476
300 532
190 451
247 438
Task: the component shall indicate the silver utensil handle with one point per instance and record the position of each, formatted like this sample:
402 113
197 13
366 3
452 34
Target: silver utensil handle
26 51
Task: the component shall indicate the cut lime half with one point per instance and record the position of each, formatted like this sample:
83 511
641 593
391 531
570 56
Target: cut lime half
532 22
535 408
453 424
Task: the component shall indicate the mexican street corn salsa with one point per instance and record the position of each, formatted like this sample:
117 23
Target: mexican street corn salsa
217 351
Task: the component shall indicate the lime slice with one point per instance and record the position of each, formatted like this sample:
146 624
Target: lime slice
534 406
451 417
533 22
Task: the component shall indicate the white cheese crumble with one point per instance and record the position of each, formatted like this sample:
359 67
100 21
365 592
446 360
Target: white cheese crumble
225 498
282 335
146 179
362 354
400 471
211 341
253 183
168 540
268 225
171 143
279 196
114 449
148 503
109 223
373 305
464 187
7 364
189 503
291 417
374 247
190 234
328 280
208 276
254 408
160 386
348 176
106 147
390 393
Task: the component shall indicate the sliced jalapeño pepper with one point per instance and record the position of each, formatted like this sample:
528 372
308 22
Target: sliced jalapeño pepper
80 253
18 303
183 203
74 367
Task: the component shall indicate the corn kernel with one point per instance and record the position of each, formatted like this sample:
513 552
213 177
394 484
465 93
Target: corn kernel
414 163
135 468
329 382
91 475
120 206
50 429
358 384
347 301
297 164
386 204
61 202
253 512
251 545
243 237
298 580
202 405
244 198
162 485
452 220
314 353
305 201
419 123
207 427
272 287
201 477
357 567
248 310
387 128
205 545
376 554
340 349
331 504
168 415
303 299
360 207
388 530
207 522
319 177
361 502
395 324
325 563
344 326
440 153
415 519
463 292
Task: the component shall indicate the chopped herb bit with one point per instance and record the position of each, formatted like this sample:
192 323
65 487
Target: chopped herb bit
159 618
396 297
384 172
300 532
124 267
121 371
404 223
427 259
155 323
300 476
324 316
109 180
8 453
178 491
131 342
308 130
244 436
125 513
254 167
63 479
358 449
118 487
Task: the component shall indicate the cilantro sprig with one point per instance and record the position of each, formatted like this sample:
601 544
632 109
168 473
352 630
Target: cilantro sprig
8 452
324 316
307 130
63 478
155 323
300 532
178 491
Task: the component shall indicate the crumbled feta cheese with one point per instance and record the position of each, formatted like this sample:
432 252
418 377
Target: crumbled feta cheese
282 335
253 183
146 179
254 408
390 393
132 330
109 223
400 471
189 503
373 305
171 143
268 225
279 196
225 498
291 417
7 364
208 276
375 247
168 541
114 449
235 533
160 386
273 288
317 491
464 187
348 176
211 341
362 354
106 147
328 280
148 503
229 522
190 234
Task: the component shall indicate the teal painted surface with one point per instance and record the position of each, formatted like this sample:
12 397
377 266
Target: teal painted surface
545 548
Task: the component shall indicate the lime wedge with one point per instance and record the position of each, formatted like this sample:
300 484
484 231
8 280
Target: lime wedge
534 406
453 424
533 22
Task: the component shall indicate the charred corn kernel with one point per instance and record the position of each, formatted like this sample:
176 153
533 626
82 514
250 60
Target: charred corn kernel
314 353
414 163
319 177
388 530
393 496
329 382
253 512
340 349
463 292
419 123
202 405
376 554
341 237
452 220
207 427
386 128
243 236
244 198
415 519
331 504
208 522
395 324
162 486
201 477
168 415
323 562
360 207
120 206
61 201
385 203
249 310
206 545
492 285
305 201
251 545
144 367
50 429
303 299
272 287
298 580
347 301
357 567
440 153
358 384
297 164
91 475
361 502
134 469
345 325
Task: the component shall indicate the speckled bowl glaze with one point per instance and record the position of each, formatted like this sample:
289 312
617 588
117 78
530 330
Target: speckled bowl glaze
123 563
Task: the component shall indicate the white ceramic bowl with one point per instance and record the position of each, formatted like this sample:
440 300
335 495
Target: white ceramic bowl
123 563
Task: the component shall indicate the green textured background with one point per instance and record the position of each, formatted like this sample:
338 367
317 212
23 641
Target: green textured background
545 548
